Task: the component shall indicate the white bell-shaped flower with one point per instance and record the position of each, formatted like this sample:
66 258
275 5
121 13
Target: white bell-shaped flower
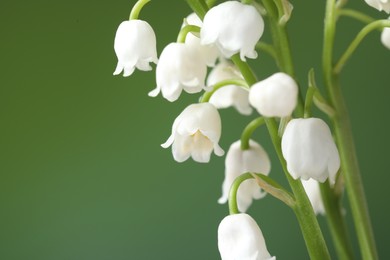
381 5
208 53
230 95
234 27
238 161
196 133
275 96
313 191
179 69
135 47
310 151
385 37
240 238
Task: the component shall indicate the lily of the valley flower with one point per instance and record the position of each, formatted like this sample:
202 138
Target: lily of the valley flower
196 133
234 27
239 161
385 37
208 53
313 191
135 47
230 95
240 238
381 5
179 69
310 151
275 96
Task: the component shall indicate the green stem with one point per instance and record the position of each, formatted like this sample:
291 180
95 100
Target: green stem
237 82
336 222
248 131
355 43
311 231
356 15
345 143
181 38
233 207
199 7
137 9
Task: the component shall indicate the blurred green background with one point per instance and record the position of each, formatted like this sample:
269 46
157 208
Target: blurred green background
82 173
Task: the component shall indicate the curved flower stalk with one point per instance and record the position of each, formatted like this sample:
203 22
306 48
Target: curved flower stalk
208 53
237 162
179 69
313 191
310 151
239 237
275 96
135 47
230 95
380 5
233 27
196 133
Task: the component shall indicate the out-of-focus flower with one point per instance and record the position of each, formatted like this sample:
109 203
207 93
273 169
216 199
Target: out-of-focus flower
240 238
310 151
234 27
230 95
275 96
385 37
313 191
135 47
196 133
239 161
179 69
381 5
208 53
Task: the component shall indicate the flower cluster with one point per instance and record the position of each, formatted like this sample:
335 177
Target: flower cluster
232 31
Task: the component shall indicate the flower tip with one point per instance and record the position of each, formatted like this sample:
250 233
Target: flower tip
222 200
154 92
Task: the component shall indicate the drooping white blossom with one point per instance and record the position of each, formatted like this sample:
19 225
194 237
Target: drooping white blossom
381 5
310 151
135 47
238 161
208 53
234 27
313 191
196 133
275 96
385 37
229 95
178 69
240 238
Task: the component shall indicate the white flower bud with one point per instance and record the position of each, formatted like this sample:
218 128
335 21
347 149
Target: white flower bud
135 47
240 238
310 151
209 54
385 37
275 96
381 5
230 95
234 27
196 133
313 191
179 69
239 161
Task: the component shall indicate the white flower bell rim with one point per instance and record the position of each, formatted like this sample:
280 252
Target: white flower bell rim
275 96
135 47
385 37
313 191
179 69
229 95
254 159
234 28
310 151
380 5
196 133
240 238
